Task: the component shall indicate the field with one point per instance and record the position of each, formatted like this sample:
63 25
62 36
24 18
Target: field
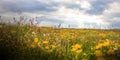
47 43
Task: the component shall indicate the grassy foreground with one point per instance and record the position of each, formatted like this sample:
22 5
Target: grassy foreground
45 43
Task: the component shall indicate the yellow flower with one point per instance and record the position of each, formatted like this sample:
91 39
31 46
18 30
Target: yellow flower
98 53
106 43
35 40
102 34
38 44
74 49
92 48
53 46
77 46
79 51
47 47
45 42
98 46
110 51
84 53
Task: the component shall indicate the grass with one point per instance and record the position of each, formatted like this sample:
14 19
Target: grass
46 43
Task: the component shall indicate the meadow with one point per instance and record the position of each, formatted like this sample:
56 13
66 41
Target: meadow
48 43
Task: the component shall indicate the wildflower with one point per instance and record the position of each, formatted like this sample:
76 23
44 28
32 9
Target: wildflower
92 48
77 46
102 34
33 33
106 43
115 48
44 35
98 46
98 53
110 51
47 47
38 44
79 51
45 42
53 46
35 40
74 49
84 53
116 45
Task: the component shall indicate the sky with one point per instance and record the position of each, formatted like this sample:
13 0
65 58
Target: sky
73 13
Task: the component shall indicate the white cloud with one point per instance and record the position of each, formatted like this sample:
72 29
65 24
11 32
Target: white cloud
84 4
109 15
113 8
69 14
32 14
75 16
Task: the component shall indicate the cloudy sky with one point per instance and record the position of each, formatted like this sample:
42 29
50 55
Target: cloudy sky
76 13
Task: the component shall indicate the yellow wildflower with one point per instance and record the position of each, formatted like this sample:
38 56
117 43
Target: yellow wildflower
47 47
38 44
98 46
92 48
102 34
77 46
106 43
79 51
110 51
98 53
35 40
84 53
45 42
53 46
74 49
